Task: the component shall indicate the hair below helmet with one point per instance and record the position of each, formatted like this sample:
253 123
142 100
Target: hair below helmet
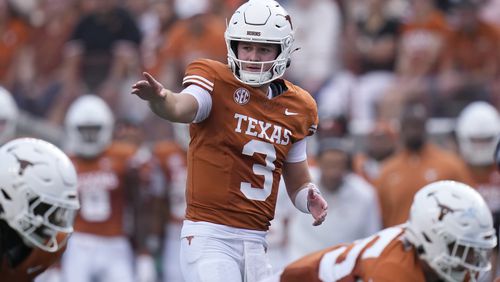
259 21
89 126
478 129
452 228
38 191
8 116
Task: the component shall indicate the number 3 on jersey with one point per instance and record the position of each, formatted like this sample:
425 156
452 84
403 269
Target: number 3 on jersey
260 193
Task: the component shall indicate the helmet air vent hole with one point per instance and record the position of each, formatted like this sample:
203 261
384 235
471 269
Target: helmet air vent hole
5 195
427 238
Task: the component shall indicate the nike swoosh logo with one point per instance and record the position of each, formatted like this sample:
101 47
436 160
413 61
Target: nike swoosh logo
34 269
290 113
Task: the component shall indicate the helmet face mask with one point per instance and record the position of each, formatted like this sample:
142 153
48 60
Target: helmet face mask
259 21
43 221
462 260
38 196
89 126
452 225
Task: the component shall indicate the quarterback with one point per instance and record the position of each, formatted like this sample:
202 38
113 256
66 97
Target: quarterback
248 127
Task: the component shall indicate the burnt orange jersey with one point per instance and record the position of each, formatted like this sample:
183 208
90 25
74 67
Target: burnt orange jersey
405 173
101 189
237 153
487 183
33 265
384 256
172 160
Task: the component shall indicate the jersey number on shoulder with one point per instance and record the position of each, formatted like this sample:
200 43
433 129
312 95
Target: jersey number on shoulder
330 270
267 149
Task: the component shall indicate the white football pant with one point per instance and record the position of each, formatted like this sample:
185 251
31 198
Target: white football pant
89 257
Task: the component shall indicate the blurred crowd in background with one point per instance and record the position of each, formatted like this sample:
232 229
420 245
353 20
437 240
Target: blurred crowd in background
391 79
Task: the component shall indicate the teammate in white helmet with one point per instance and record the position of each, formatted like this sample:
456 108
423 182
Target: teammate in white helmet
478 131
100 247
449 237
38 203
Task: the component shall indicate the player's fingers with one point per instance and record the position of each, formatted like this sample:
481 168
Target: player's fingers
152 80
319 221
140 83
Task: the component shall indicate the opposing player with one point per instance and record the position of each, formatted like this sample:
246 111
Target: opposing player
248 127
449 237
38 203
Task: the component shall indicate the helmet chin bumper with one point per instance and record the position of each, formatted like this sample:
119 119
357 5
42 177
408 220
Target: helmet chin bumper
255 78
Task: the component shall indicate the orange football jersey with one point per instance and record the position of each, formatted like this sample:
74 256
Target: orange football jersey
101 189
381 257
34 264
172 160
236 154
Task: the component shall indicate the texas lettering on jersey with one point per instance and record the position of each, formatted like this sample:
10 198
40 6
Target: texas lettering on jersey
237 153
261 129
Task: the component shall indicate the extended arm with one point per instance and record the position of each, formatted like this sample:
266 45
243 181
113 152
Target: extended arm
165 103
303 193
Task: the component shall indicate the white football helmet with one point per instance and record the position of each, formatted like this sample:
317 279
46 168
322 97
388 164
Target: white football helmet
89 126
8 116
478 130
38 191
451 228
261 21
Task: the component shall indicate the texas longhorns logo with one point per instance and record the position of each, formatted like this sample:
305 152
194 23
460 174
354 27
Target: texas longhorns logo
444 211
23 165
289 19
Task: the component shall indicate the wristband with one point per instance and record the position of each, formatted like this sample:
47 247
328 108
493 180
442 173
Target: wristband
301 202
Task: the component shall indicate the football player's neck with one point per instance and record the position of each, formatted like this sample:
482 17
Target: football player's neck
264 89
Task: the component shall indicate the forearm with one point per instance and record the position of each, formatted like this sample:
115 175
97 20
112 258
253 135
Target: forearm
296 176
174 107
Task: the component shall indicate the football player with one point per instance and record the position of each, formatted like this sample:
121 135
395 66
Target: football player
100 247
478 131
449 237
38 203
171 156
8 116
248 127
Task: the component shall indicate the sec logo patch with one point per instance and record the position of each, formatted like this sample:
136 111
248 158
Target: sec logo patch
241 96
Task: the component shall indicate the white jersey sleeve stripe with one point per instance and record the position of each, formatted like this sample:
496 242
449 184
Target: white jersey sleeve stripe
199 83
200 78
203 98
